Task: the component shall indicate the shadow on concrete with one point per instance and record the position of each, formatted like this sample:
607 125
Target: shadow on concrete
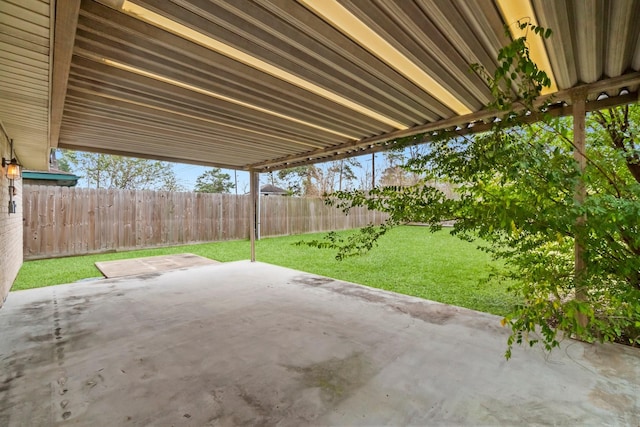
256 344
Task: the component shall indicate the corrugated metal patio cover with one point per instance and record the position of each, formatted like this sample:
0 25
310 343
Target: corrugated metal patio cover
275 83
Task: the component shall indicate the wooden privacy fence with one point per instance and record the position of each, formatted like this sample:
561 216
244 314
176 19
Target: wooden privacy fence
62 221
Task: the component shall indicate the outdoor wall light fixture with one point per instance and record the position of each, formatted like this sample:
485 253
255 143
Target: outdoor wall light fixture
12 172
13 168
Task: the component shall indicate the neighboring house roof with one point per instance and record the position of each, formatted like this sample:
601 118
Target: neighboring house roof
61 178
272 189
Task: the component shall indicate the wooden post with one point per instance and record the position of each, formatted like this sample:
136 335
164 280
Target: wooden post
253 184
579 115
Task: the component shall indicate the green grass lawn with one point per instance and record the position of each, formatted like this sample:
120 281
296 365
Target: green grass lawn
408 260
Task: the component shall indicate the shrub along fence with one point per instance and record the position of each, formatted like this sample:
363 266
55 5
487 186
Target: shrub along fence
62 221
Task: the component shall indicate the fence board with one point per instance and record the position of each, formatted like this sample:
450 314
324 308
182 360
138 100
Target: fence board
61 221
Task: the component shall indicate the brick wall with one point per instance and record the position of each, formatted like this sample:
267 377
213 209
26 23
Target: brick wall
10 229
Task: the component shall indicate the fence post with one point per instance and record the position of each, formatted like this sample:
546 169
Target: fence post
76 221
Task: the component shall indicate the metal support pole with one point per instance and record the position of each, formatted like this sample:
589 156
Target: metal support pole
258 207
579 117
253 191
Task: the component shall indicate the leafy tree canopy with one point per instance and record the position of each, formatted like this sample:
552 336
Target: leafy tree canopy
127 173
516 194
214 181
320 179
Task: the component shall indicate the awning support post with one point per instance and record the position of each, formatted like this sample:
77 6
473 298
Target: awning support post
579 149
253 191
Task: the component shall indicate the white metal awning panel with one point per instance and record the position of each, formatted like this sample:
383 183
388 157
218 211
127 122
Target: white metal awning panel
275 83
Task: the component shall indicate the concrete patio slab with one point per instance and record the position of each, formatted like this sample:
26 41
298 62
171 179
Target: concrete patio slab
255 344
151 264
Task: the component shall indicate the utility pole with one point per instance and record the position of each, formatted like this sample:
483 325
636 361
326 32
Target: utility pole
373 170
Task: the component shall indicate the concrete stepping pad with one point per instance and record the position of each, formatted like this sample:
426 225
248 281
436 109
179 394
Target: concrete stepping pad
152 264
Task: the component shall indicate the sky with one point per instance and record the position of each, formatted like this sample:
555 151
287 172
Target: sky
187 174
